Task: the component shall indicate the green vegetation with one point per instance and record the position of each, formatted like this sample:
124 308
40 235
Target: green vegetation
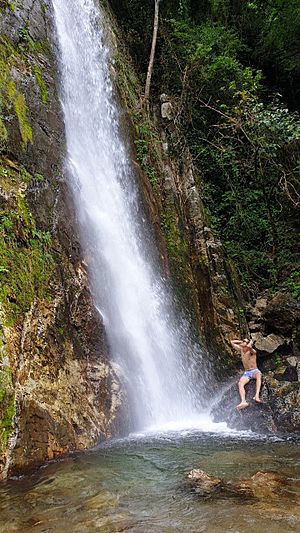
5 4
26 260
224 65
146 143
9 403
293 284
178 252
7 398
10 96
40 81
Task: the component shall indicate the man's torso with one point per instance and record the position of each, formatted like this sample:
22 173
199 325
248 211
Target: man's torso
249 359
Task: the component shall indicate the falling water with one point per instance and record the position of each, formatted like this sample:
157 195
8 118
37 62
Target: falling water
150 345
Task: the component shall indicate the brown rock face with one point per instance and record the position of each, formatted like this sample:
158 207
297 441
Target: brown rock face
67 393
211 289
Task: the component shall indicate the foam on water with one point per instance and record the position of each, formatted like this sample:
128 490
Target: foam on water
195 425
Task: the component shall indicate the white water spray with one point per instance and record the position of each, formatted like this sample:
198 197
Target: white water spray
151 346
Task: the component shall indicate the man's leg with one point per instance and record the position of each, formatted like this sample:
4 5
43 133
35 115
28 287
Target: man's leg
243 381
258 386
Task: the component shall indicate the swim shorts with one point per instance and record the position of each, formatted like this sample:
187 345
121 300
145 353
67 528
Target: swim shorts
250 374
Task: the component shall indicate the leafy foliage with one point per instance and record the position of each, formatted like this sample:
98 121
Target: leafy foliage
223 64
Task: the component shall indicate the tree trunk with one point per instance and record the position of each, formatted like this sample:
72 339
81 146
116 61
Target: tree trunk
152 54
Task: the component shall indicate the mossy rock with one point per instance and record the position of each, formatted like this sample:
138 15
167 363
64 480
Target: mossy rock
26 259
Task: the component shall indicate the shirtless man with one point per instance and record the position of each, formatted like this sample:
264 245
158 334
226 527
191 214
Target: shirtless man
248 355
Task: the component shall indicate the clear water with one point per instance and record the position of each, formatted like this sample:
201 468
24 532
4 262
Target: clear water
149 342
137 485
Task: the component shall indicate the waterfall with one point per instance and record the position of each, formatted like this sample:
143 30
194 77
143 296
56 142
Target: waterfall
147 340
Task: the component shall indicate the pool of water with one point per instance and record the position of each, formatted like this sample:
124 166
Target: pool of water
137 484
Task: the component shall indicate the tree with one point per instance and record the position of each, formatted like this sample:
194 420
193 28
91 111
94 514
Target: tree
152 53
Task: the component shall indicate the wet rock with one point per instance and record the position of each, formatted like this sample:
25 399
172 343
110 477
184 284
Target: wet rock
262 486
279 412
286 373
204 484
259 307
254 326
256 417
275 325
284 401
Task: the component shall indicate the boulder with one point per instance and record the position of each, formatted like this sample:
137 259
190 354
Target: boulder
256 417
167 110
281 314
284 402
279 412
259 307
268 344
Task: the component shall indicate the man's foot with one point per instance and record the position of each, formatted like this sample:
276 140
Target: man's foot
242 405
258 400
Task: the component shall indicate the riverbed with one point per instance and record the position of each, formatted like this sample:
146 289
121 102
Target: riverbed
137 484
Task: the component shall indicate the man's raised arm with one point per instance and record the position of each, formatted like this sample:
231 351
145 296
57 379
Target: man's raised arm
236 344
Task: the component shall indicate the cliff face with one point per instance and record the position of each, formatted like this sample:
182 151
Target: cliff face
58 391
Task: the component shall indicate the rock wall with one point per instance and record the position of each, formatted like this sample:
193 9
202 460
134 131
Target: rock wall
58 391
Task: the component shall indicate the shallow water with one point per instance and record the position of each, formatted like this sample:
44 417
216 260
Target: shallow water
137 485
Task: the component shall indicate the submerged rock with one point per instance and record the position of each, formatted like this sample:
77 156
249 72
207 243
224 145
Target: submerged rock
204 484
262 486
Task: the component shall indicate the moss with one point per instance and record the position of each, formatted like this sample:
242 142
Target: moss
5 4
143 157
40 81
12 175
127 82
27 45
21 110
20 59
10 96
6 424
7 398
39 177
178 253
26 260
3 134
